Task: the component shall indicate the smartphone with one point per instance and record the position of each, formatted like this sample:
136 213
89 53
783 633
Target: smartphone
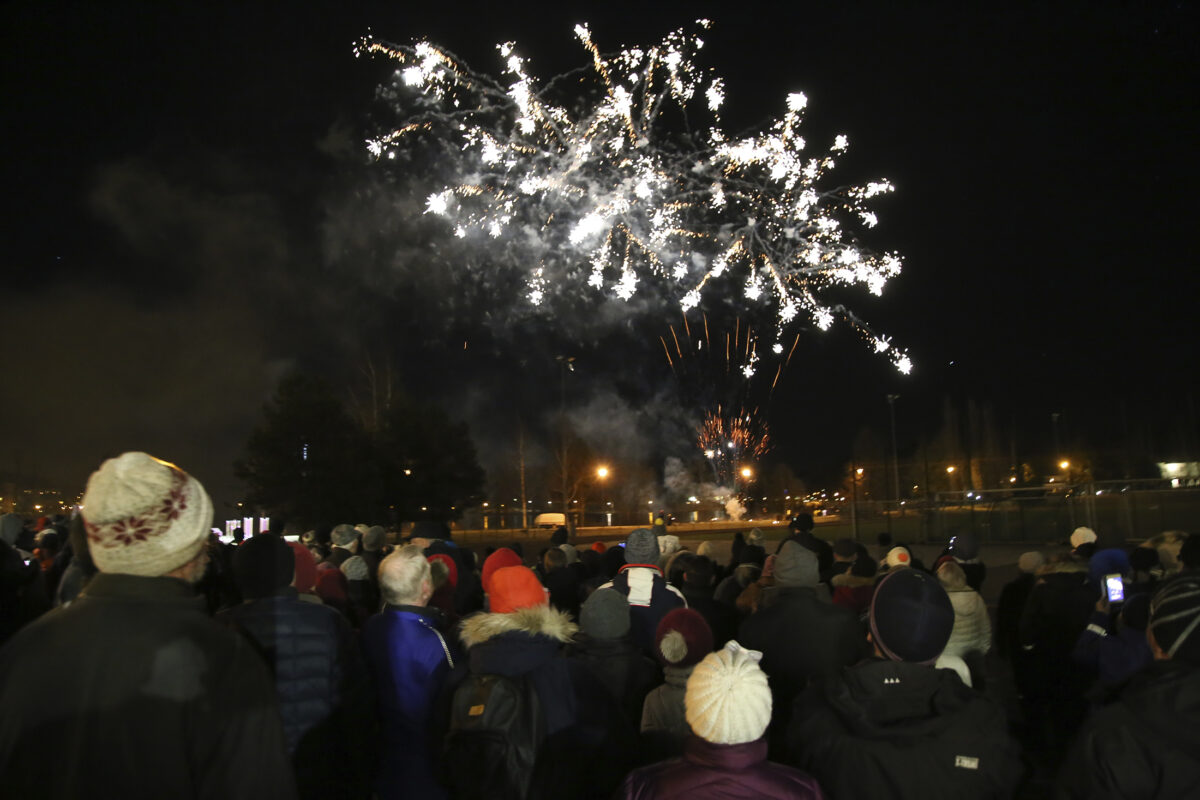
1115 587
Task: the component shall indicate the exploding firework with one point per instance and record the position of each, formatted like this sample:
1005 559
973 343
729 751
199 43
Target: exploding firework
617 189
729 439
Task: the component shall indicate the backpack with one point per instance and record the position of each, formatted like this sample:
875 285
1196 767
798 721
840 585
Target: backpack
496 729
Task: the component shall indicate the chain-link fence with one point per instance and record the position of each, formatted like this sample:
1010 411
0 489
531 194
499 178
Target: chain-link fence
1119 511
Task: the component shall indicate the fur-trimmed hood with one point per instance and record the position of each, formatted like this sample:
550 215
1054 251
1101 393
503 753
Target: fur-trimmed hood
536 621
1067 566
851 581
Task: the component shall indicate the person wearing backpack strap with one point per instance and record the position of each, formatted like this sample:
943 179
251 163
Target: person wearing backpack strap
409 662
575 743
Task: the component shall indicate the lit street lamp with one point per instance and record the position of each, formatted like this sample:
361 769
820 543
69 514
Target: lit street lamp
601 474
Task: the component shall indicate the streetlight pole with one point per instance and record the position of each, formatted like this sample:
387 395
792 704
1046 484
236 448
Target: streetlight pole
565 363
892 398
601 474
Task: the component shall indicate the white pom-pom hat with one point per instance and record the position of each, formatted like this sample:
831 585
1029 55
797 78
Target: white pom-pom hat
144 516
728 700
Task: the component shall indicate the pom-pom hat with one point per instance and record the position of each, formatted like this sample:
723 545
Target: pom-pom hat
144 516
683 638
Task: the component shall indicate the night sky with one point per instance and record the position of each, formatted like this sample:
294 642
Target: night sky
191 214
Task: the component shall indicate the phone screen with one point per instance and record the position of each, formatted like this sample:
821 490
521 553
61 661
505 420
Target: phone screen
1116 588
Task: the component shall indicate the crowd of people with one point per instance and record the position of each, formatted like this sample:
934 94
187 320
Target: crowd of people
142 657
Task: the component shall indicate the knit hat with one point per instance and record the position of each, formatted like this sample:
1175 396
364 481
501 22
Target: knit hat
374 538
144 516
497 560
1175 618
846 548
1082 536
570 551
11 526
1031 562
682 638
331 585
262 565
705 548
755 537
965 545
668 544
306 568
599 547
512 588
728 700
605 615
796 565
343 535
641 547
1107 562
911 616
355 569
898 557
451 567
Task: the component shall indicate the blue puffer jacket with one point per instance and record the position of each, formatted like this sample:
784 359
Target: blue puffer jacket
321 682
409 661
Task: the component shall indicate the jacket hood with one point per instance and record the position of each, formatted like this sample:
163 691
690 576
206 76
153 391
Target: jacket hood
851 581
535 621
881 698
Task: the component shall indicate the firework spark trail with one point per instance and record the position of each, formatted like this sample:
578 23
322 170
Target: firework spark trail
613 187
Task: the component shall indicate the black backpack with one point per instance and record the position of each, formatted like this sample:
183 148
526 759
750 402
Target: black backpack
496 730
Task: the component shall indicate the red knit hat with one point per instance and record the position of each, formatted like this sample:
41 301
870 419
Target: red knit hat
497 560
306 568
599 547
683 638
452 568
513 588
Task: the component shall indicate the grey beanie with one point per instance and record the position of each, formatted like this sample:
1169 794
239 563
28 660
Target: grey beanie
355 569
796 565
373 538
605 615
343 535
641 547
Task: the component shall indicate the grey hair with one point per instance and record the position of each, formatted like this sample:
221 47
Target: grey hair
401 575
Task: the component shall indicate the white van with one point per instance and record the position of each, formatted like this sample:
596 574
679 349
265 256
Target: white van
549 521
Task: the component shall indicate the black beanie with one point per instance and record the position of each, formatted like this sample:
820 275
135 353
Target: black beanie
911 616
262 565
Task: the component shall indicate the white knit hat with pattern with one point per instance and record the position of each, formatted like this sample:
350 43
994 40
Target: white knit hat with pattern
144 516
728 700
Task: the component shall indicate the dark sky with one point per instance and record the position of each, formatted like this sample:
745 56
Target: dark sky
185 192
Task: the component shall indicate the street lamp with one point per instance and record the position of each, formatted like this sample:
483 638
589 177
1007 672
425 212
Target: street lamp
601 474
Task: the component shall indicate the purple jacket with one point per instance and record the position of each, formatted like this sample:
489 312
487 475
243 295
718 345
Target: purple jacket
709 771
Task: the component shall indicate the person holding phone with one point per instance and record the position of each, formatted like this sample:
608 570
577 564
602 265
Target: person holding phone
1113 645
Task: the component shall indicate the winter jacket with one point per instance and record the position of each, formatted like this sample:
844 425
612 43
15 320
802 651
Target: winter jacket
320 681
802 639
1146 744
664 717
1057 611
650 598
588 745
972 631
409 661
145 697
709 771
1008 614
889 729
622 668
1113 658
853 592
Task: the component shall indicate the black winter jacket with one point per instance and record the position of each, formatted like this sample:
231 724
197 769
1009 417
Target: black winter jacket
1145 745
321 682
888 729
137 693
